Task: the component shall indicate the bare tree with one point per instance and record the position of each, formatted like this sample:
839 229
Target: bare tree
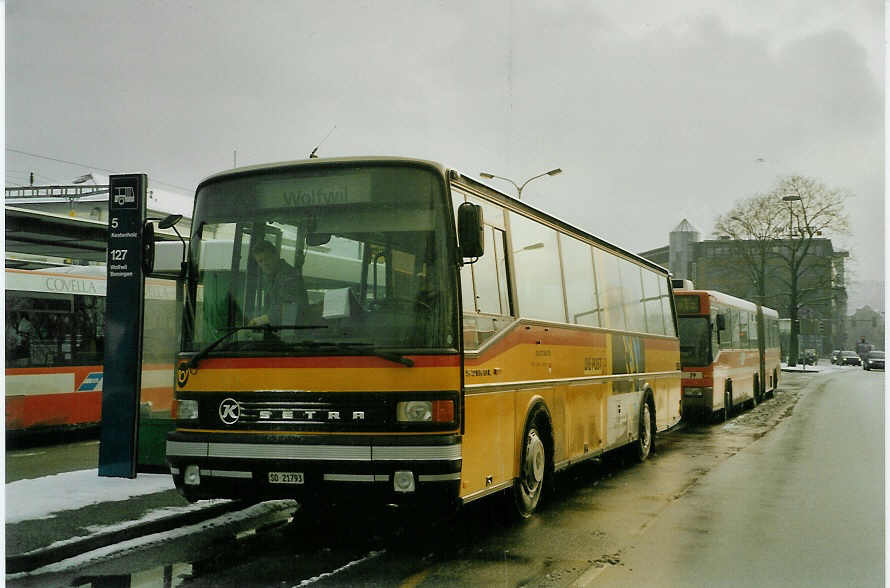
753 227
778 230
814 210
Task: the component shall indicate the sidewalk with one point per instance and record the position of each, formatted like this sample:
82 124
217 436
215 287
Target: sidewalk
53 517
822 366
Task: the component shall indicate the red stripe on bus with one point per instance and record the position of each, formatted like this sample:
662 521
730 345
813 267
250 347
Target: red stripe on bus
77 369
52 410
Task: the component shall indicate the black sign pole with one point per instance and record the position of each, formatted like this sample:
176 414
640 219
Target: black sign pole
124 306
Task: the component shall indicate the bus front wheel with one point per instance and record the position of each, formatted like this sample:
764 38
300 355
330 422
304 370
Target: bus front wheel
527 489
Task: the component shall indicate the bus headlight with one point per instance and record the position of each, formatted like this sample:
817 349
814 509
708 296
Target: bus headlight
187 410
425 411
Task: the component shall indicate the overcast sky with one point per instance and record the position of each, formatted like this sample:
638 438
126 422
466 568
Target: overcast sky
656 111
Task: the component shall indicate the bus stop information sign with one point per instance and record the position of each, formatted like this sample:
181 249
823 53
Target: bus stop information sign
123 326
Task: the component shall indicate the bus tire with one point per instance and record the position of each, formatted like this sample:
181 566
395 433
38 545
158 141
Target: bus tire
533 465
642 447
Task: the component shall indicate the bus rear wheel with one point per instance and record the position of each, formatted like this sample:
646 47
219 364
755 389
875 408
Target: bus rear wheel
643 445
527 489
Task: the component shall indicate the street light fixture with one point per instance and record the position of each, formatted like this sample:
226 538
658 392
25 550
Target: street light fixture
789 198
552 172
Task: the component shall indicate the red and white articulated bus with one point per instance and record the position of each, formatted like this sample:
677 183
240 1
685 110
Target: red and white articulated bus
55 332
720 355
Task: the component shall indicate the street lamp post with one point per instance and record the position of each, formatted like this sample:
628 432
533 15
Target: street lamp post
519 187
790 198
793 342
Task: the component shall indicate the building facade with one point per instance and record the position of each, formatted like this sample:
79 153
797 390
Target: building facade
722 264
865 322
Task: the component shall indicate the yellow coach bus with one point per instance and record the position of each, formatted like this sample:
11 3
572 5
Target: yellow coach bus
389 330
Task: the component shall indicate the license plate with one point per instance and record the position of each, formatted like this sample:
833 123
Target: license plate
285 477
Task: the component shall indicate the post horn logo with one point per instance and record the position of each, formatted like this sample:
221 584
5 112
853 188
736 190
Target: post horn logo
182 373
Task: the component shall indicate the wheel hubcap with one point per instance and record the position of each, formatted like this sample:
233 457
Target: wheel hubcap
534 461
645 430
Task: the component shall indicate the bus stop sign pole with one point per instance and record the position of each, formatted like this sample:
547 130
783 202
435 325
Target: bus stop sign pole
124 305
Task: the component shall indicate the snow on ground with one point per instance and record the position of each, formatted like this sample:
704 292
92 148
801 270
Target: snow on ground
823 368
39 498
218 524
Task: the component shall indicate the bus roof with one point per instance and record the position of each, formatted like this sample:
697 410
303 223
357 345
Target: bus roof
445 171
728 300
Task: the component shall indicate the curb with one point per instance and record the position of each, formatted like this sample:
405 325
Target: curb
37 558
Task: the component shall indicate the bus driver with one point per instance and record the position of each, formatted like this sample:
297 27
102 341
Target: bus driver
285 296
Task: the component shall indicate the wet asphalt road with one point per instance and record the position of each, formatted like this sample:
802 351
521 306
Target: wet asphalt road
802 506
770 498
39 461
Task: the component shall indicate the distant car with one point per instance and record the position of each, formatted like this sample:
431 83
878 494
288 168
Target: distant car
849 358
874 361
809 357
836 356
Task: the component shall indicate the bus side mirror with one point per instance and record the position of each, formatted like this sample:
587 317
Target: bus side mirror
164 259
470 230
148 248
168 256
721 322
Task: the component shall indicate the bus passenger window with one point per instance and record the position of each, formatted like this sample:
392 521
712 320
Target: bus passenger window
632 287
577 269
666 312
609 284
537 271
655 317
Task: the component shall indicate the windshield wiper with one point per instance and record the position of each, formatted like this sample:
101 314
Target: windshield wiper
193 362
362 349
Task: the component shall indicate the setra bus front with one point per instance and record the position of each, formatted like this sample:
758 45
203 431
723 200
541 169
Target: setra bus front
320 349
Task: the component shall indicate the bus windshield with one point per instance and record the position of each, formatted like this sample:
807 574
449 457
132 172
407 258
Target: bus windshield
322 260
695 341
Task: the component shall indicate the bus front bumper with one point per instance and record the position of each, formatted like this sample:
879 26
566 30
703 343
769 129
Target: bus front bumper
698 402
384 469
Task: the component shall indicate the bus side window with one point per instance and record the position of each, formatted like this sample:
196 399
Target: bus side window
485 287
489 289
537 269
577 270
485 277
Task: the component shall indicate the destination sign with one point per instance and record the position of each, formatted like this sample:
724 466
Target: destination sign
335 190
687 304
